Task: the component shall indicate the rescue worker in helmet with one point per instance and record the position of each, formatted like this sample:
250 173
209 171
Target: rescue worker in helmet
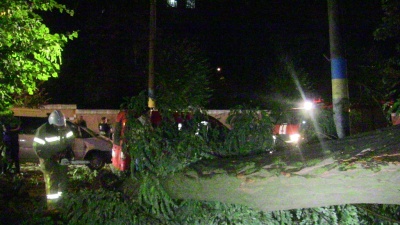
52 144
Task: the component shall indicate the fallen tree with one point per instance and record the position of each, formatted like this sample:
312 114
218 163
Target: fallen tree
359 169
258 189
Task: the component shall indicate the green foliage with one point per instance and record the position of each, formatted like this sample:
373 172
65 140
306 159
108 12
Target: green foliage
320 125
82 173
378 214
160 151
37 99
110 207
393 107
136 104
28 51
154 199
390 20
16 206
182 76
389 31
165 149
40 220
195 212
251 132
99 207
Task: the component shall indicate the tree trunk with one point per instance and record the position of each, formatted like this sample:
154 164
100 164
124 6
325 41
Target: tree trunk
357 169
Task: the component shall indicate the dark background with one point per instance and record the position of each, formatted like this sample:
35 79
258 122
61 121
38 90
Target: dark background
109 59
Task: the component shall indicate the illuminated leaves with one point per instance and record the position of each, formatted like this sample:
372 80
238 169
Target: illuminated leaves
29 52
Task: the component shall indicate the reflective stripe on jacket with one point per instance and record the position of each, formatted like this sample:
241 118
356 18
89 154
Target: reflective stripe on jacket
49 140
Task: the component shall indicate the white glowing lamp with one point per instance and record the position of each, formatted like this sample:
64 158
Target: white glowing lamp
308 105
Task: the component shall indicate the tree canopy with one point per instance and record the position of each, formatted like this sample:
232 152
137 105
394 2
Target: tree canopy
182 75
389 32
29 52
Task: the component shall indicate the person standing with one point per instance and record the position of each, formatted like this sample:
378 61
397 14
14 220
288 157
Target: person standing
104 127
3 162
10 139
53 141
81 122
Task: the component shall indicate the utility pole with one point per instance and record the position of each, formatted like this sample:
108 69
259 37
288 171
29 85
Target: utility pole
152 35
340 90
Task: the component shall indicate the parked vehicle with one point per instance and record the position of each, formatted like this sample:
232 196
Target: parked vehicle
89 148
288 133
291 126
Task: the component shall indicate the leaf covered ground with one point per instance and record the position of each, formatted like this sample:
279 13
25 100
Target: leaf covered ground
23 197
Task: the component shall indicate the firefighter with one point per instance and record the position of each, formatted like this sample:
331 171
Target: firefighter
53 145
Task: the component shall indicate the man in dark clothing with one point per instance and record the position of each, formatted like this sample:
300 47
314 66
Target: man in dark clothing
53 141
10 139
104 127
3 164
81 122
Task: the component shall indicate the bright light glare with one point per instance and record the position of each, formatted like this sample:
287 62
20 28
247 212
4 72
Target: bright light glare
180 126
294 138
308 105
54 196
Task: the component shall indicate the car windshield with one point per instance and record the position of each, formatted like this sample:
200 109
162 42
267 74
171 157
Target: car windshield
82 132
92 133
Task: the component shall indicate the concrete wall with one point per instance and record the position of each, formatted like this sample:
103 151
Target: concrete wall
68 110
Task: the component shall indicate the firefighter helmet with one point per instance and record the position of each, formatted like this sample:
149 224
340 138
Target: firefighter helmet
57 118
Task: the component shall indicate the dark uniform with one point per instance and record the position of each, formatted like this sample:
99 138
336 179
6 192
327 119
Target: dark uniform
104 128
53 142
10 138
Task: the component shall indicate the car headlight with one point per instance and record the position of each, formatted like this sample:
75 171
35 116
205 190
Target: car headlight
294 137
308 105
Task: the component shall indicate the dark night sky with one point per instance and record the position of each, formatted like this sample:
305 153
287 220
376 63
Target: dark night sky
108 61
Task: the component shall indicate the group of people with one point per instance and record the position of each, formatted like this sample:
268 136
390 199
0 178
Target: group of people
9 145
